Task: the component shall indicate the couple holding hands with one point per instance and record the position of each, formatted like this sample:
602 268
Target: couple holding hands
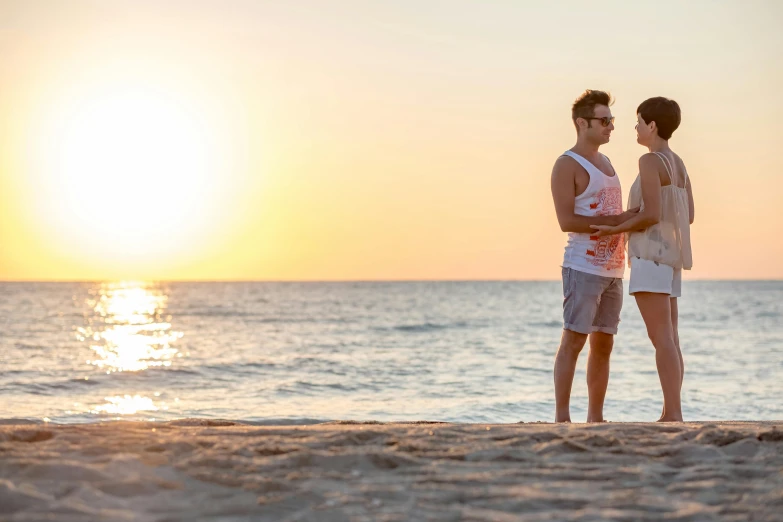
656 229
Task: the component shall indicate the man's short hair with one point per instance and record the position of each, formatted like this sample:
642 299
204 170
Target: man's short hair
584 106
664 112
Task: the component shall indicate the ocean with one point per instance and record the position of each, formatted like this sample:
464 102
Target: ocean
299 353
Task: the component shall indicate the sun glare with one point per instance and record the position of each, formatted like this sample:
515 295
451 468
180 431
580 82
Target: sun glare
129 173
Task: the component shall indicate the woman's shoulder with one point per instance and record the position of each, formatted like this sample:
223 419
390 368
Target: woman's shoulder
649 162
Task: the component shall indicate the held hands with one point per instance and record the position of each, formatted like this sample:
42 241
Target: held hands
610 230
615 223
603 230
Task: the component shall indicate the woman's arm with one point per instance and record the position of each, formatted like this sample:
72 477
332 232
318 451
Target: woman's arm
691 206
651 195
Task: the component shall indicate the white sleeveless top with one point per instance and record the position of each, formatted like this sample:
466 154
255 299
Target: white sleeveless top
604 256
669 240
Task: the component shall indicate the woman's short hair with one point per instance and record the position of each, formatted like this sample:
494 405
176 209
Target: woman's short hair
664 112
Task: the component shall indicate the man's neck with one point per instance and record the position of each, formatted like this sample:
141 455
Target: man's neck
585 149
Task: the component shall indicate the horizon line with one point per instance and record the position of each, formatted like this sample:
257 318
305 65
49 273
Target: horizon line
119 280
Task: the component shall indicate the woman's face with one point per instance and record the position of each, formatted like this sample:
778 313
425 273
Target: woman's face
644 131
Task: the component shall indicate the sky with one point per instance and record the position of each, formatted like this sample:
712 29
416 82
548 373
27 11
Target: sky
365 140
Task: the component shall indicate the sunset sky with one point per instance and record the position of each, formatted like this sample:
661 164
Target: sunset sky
365 140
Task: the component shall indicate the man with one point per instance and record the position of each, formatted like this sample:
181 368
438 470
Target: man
586 191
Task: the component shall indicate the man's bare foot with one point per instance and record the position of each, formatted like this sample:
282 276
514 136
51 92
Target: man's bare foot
597 420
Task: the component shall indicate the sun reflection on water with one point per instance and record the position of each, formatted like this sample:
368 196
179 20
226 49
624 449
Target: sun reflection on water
127 405
127 331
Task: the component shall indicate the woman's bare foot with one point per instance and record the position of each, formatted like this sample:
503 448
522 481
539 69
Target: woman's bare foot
668 418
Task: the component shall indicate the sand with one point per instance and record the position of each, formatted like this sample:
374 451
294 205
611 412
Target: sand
212 470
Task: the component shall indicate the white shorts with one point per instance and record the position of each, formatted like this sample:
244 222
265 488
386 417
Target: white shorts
649 276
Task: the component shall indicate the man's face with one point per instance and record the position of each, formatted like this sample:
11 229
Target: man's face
600 125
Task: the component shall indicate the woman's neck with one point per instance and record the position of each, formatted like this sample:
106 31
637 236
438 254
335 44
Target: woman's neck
659 145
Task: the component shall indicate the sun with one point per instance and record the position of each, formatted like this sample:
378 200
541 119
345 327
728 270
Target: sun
130 173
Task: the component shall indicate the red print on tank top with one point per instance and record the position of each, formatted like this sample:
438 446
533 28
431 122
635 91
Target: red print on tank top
608 251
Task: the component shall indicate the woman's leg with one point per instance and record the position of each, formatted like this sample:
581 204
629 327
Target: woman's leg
656 312
675 322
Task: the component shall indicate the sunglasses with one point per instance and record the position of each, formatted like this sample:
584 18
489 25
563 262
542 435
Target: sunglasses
605 121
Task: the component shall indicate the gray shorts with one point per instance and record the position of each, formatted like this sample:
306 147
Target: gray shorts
591 303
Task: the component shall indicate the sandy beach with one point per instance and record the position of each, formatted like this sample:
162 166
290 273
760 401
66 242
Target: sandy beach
220 470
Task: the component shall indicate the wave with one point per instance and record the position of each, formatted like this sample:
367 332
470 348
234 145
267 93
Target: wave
546 324
257 318
210 313
213 371
529 369
58 386
47 388
14 421
423 327
183 422
308 388
278 421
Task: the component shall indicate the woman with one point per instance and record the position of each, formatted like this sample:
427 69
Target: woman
659 245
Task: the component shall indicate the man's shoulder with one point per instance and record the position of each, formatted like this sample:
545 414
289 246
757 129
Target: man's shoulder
565 163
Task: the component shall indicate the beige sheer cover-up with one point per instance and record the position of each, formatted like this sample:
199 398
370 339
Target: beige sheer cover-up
669 240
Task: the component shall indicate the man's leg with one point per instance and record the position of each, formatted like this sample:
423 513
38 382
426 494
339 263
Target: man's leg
598 374
565 365
606 322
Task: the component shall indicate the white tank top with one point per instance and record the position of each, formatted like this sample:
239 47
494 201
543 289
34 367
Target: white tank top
669 240
604 256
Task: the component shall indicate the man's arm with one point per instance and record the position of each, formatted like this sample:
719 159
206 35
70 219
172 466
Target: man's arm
564 195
